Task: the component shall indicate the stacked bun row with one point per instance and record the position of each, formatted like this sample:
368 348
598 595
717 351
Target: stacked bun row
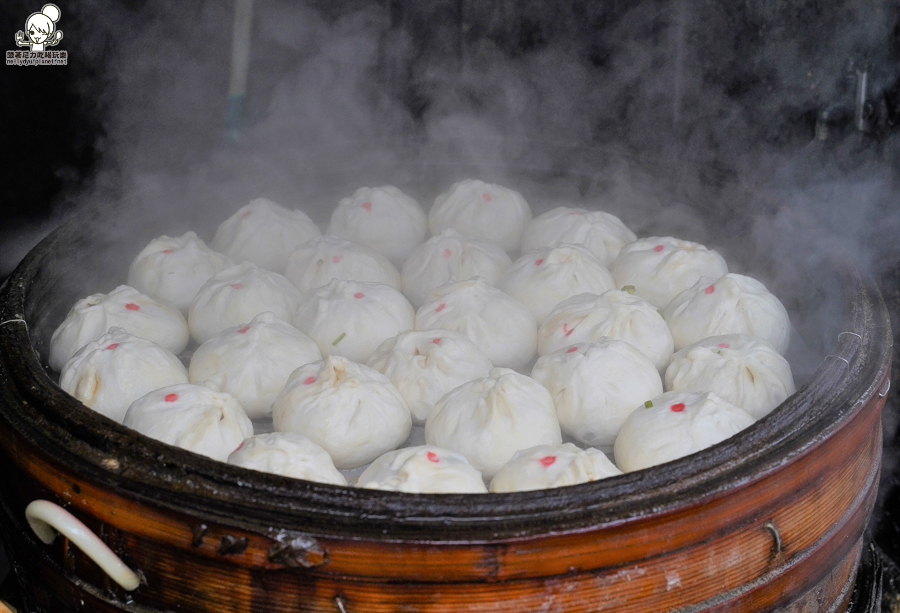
525 353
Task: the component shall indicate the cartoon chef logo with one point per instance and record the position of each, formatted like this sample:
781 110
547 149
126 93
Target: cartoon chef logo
41 29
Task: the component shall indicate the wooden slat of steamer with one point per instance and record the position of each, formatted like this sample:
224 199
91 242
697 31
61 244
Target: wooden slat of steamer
513 557
825 488
6 608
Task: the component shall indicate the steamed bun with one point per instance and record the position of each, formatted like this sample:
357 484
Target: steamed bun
602 233
488 420
351 318
289 455
108 374
350 410
595 387
546 466
426 364
264 233
381 218
423 469
731 304
253 361
449 257
193 417
744 370
238 294
500 326
174 269
659 268
329 257
484 211
616 314
543 279
125 308
674 425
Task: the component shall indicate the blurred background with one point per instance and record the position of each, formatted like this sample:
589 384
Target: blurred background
798 101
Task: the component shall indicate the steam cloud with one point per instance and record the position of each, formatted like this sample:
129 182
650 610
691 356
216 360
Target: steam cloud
712 94
705 119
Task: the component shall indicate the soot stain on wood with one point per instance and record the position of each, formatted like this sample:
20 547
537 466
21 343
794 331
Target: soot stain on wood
489 564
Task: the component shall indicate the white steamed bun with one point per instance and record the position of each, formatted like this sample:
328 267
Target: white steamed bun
423 470
674 425
482 211
193 417
488 420
238 294
174 269
744 370
125 308
616 314
108 374
253 361
287 454
595 387
352 411
450 256
602 233
330 257
352 318
382 218
659 268
545 466
543 279
426 364
264 233
500 326
732 304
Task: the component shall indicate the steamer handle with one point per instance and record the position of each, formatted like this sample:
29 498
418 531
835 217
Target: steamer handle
47 518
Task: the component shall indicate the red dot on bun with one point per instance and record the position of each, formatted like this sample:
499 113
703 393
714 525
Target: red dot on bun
171 397
237 285
367 205
547 460
309 380
112 346
724 345
244 329
436 341
168 251
359 295
677 408
433 457
539 261
572 349
440 307
487 197
658 248
132 307
337 259
710 289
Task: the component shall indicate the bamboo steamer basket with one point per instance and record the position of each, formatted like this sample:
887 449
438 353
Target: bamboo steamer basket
769 520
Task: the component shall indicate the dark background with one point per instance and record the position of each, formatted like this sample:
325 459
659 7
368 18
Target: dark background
55 131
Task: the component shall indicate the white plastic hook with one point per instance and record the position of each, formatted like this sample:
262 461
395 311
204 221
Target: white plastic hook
47 518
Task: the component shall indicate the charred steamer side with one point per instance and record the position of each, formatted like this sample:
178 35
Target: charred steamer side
771 519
